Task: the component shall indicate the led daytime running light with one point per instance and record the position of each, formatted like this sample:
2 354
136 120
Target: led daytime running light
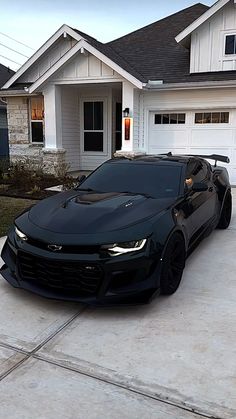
118 249
21 235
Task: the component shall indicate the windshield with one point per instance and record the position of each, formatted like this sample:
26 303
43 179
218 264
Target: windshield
157 181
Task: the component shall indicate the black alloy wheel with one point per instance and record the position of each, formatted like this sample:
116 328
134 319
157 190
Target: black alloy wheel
173 263
226 212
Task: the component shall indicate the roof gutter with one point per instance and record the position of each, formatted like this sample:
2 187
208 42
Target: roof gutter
191 85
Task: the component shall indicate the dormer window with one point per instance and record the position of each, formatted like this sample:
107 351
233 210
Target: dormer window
230 44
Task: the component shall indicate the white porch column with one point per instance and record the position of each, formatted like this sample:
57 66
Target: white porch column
128 102
52 117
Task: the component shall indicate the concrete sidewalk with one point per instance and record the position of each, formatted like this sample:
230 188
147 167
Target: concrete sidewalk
162 361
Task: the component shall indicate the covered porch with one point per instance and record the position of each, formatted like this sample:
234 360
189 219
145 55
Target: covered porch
86 124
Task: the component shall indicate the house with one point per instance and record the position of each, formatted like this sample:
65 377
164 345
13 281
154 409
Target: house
170 86
5 74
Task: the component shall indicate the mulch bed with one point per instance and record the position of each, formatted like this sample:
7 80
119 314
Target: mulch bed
9 189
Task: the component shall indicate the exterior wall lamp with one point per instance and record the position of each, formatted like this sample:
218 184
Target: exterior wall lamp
127 121
126 112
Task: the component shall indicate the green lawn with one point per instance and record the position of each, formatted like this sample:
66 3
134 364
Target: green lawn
9 208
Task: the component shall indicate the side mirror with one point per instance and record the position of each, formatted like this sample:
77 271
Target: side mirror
199 187
80 179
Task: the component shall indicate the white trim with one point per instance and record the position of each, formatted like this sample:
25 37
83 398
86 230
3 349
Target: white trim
205 16
114 66
64 28
89 80
69 54
217 84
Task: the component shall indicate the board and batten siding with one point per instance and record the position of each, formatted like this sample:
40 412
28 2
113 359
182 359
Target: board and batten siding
70 127
85 66
208 42
47 60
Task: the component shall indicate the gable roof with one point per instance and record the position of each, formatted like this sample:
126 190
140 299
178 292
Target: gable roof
153 50
5 74
110 52
82 44
181 37
147 54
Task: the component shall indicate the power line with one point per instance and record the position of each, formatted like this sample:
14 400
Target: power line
3 56
13 39
5 46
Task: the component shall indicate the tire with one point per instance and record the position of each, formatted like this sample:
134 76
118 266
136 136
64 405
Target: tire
226 212
173 263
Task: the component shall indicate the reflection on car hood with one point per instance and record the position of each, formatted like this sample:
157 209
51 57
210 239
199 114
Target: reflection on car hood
80 212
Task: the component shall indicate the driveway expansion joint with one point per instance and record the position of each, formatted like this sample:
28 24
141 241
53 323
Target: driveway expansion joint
130 389
30 354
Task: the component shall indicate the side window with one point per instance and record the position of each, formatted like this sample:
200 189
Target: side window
197 171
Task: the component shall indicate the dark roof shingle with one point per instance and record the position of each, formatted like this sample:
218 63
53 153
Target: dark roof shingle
5 74
153 50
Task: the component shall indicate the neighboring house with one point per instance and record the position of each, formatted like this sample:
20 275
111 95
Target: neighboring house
5 74
176 79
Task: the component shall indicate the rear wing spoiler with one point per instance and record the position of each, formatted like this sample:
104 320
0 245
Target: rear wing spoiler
216 157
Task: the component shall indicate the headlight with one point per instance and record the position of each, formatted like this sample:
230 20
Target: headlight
117 249
20 235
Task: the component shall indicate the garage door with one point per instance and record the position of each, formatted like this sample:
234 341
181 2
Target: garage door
195 132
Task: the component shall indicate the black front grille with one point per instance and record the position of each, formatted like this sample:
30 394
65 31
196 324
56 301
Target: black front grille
60 275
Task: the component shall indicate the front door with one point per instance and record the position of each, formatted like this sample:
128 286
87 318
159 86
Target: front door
94 133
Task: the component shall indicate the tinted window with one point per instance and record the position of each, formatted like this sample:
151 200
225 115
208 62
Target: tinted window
198 171
157 181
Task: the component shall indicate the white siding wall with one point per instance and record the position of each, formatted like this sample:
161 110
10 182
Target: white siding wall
208 42
52 55
70 126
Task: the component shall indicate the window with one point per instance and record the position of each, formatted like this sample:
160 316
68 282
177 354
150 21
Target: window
151 179
169 118
37 115
212 118
93 126
197 171
230 44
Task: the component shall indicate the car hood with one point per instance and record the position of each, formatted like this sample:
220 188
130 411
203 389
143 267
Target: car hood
80 212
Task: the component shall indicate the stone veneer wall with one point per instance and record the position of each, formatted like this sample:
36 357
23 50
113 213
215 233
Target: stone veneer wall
18 120
19 138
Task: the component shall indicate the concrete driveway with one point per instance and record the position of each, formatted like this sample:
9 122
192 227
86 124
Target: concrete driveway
173 359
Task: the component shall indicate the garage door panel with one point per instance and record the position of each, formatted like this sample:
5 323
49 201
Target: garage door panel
225 151
214 137
195 139
169 139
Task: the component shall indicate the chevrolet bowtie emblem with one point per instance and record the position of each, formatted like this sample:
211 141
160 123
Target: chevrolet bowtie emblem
54 247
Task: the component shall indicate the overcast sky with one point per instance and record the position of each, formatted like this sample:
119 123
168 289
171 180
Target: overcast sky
33 22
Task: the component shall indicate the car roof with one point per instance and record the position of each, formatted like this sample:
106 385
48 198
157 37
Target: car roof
160 159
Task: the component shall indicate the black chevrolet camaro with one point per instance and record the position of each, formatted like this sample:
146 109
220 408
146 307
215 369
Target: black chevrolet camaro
123 234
